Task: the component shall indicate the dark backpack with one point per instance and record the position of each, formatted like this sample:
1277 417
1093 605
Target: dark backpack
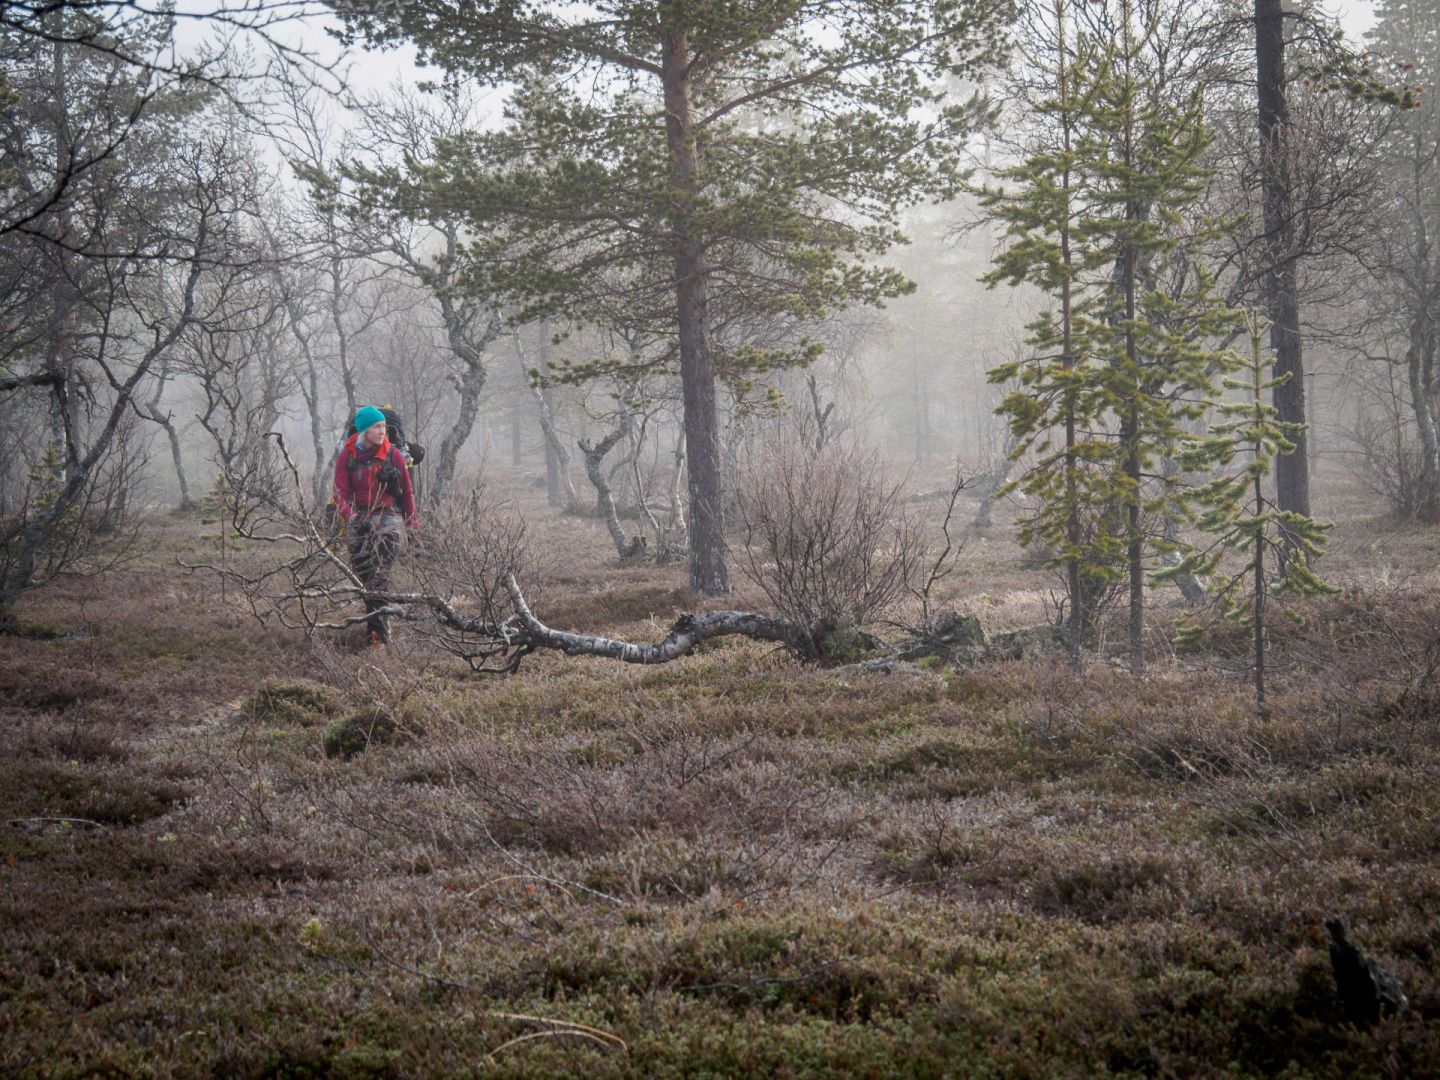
395 431
387 471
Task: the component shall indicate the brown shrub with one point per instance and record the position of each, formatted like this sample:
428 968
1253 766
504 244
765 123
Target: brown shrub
1101 891
108 796
826 538
224 861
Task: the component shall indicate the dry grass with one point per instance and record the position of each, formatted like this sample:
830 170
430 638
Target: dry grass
230 851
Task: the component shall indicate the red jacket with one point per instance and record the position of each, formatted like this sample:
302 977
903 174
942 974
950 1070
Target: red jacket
358 487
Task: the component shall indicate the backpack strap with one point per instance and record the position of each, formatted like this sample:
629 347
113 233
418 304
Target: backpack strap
355 464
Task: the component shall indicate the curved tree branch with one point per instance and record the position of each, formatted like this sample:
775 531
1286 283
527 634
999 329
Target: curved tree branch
687 632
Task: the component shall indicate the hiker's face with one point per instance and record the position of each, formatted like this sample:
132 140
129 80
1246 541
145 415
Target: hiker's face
375 433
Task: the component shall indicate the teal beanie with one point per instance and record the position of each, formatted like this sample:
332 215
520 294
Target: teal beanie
368 417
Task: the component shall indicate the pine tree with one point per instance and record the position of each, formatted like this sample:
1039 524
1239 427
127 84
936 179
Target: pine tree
1156 315
1101 224
1275 547
672 158
1040 215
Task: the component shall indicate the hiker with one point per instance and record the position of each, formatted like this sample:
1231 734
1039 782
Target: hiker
374 498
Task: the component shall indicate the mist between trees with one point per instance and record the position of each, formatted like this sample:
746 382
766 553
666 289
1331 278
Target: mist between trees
1015 245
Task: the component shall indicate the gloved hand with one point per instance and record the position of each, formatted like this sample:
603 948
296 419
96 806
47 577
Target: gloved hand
333 528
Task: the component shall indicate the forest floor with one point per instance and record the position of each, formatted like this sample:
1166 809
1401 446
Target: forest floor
231 850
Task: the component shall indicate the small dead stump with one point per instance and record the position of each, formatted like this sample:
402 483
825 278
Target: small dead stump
1367 990
956 638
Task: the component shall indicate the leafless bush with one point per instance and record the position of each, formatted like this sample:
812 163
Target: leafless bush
839 553
45 536
1382 453
451 585
827 538
938 564
469 543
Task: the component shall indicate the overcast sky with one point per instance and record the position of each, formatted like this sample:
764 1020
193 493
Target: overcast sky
378 70
1356 16
375 72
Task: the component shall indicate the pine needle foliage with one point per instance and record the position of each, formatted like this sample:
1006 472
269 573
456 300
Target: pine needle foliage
713 177
1099 217
1257 550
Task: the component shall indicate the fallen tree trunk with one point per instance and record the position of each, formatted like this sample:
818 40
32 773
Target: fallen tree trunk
466 596
316 586
687 632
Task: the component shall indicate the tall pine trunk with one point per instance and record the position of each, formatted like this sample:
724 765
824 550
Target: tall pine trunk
1261 708
1420 369
1130 434
709 575
1292 473
1079 604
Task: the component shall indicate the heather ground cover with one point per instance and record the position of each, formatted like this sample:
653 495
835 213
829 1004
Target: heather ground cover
231 850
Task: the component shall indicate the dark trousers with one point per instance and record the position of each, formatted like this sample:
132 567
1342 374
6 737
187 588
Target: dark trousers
374 543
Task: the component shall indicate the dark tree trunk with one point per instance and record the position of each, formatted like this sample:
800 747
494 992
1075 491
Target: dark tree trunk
322 479
342 340
1134 556
1258 630
174 436
1292 474
604 499
1079 628
308 381
709 575
1130 433
821 414
1420 368
554 497
559 491
471 381
60 340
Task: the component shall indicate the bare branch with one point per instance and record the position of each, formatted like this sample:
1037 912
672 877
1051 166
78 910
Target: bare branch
687 632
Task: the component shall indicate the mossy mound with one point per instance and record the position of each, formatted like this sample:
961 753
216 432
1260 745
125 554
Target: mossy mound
360 731
846 643
283 703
